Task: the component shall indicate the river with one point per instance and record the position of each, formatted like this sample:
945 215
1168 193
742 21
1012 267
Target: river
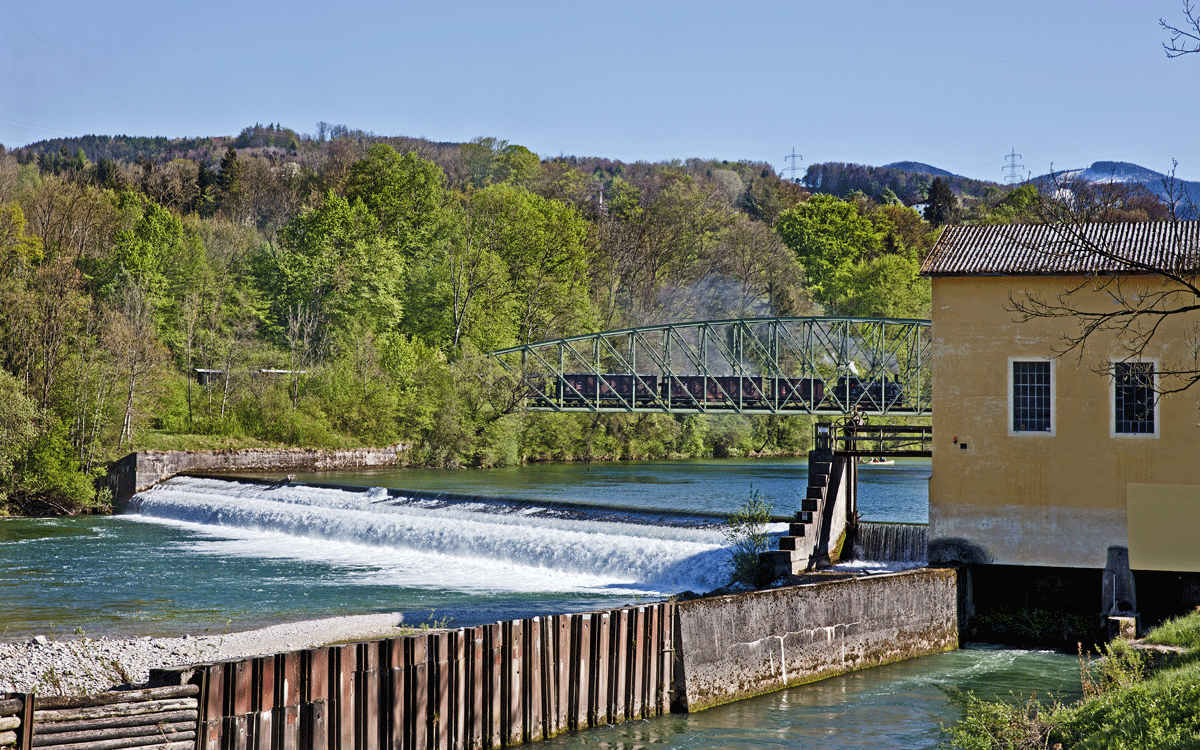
205 555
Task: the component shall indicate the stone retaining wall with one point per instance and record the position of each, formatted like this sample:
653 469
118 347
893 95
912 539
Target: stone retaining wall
141 471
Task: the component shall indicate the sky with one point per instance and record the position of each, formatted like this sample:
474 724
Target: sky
957 84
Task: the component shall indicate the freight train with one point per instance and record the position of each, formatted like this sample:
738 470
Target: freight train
694 391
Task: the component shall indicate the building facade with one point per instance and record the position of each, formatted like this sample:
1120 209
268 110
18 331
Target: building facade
1063 460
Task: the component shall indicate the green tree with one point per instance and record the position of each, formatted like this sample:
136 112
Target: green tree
941 206
335 261
516 165
829 237
406 194
19 430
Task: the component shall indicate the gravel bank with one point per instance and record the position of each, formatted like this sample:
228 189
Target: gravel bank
89 665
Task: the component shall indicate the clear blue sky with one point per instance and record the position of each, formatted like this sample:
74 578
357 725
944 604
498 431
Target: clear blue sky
954 83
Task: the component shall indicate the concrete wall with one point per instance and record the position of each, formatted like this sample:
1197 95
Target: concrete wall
737 646
141 471
1064 497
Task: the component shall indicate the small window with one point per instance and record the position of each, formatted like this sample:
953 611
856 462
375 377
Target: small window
1133 398
1032 394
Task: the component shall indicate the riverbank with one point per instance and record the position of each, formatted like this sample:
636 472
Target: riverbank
1141 694
93 665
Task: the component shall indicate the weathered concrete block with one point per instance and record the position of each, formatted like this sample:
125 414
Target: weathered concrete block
737 646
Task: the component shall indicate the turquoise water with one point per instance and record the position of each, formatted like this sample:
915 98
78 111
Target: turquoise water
886 493
894 706
204 555
214 560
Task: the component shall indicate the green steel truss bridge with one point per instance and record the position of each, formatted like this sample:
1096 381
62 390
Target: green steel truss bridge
783 366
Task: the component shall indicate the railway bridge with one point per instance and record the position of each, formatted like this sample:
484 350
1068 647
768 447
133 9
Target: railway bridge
816 365
852 371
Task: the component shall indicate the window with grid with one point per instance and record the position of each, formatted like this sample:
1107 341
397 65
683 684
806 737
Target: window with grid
1134 383
1031 396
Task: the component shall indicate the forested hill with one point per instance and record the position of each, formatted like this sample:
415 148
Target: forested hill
333 290
907 183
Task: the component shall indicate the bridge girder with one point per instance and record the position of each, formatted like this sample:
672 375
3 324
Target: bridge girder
784 366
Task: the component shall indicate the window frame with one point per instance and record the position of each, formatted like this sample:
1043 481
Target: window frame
1112 402
1011 399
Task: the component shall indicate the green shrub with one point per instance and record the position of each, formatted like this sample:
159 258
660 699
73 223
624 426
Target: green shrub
746 532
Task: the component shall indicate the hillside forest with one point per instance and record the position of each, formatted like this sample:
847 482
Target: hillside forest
335 289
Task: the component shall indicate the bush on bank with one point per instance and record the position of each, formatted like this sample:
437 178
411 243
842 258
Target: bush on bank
1128 703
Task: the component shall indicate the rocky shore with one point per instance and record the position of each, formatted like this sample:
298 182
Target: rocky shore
93 665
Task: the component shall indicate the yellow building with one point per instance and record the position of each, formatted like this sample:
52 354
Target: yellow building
1071 461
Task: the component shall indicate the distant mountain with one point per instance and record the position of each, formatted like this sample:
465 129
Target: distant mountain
1186 192
917 167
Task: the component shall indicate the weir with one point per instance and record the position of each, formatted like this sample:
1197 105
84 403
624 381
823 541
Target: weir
522 680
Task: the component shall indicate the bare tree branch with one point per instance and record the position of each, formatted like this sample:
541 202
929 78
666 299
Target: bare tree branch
1124 293
1185 40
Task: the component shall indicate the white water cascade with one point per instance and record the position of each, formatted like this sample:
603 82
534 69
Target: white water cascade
387 538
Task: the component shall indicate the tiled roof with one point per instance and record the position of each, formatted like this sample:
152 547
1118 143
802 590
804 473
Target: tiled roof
1034 249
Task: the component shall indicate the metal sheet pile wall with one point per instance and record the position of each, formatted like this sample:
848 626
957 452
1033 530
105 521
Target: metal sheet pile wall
490 686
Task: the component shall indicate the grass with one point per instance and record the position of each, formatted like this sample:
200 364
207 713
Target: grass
160 440
1183 632
1127 704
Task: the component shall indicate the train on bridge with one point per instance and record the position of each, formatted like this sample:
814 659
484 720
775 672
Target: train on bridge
591 390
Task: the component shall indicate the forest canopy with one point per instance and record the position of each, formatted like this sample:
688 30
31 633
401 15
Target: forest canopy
282 288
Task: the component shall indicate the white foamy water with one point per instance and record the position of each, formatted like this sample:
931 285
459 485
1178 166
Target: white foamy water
475 547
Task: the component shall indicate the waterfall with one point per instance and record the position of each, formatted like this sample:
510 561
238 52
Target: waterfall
449 541
890 542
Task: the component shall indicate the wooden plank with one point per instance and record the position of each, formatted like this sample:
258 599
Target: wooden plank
368 708
653 659
582 656
163 731
668 656
420 705
397 697
477 664
288 720
8 738
11 706
126 709
103 699
241 680
287 679
25 741
262 730
183 739
9 722
515 731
